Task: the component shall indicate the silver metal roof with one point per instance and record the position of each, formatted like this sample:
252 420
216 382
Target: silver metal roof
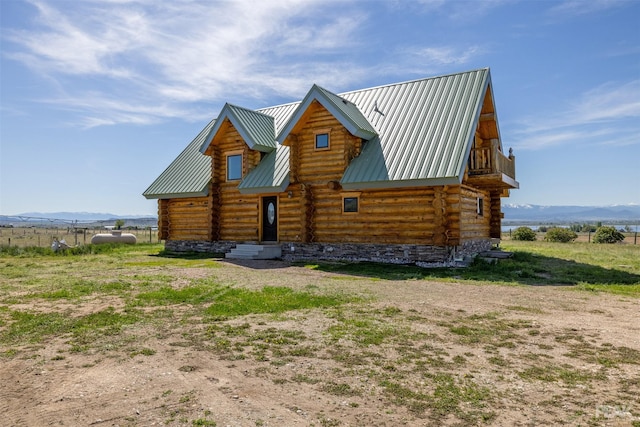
187 176
425 131
270 176
418 133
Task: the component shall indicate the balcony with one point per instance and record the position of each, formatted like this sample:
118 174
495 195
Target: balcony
489 168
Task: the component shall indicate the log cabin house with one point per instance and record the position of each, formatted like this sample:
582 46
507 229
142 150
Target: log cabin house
411 172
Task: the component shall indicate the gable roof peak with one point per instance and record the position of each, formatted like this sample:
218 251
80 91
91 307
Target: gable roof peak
341 108
256 129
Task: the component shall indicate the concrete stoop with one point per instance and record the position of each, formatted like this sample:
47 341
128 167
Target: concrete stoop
494 255
254 251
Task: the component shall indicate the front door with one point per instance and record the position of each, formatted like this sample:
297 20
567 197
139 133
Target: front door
270 219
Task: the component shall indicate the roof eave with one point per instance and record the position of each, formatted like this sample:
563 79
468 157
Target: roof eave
203 193
426 182
264 190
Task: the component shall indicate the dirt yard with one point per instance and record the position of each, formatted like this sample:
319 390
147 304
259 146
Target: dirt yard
414 353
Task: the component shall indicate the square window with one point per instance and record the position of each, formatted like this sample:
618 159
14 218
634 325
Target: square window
350 204
234 167
322 141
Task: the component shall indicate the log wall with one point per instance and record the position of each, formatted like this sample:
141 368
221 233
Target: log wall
185 218
472 225
236 215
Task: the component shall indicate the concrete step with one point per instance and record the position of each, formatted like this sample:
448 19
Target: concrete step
253 251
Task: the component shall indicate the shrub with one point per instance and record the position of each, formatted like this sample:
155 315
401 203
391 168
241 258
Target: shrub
559 234
523 233
607 235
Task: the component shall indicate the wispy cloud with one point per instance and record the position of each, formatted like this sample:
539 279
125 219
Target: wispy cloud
447 55
606 115
146 54
581 7
460 10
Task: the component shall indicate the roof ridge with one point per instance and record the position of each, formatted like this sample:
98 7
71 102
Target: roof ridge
413 81
247 109
341 94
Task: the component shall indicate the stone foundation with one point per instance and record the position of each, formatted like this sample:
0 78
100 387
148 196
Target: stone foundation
393 254
472 248
198 246
423 255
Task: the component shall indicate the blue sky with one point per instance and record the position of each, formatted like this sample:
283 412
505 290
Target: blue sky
99 96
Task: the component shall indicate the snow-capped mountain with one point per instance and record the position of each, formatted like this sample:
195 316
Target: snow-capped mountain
541 213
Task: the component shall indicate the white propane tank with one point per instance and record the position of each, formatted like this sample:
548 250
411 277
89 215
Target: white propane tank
114 237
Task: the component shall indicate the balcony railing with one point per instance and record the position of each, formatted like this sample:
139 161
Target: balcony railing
490 160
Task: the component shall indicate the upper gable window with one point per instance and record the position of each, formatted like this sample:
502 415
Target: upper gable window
234 167
322 141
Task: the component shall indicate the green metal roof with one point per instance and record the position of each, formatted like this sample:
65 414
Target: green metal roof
426 130
346 112
255 128
187 176
270 176
418 133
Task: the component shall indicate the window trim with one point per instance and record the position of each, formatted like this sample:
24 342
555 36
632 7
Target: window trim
327 132
234 154
355 196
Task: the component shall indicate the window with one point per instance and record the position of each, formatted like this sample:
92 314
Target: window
234 167
350 202
322 141
480 207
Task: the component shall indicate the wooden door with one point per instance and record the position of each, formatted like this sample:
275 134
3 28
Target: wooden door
270 219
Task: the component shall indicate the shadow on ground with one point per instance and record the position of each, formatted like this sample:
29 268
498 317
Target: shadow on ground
523 268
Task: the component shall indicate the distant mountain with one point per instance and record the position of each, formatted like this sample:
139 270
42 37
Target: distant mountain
538 213
80 216
65 219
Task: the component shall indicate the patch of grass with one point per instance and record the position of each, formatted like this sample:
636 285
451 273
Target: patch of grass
204 422
340 389
564 373
33 327
194 294
300 378
142 351
270 299
80 288
488 328
449 396
364 331
606 355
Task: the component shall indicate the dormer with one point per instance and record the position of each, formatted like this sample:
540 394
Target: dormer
346 112
325 133
257 130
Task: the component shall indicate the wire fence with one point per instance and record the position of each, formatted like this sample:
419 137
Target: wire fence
73 236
